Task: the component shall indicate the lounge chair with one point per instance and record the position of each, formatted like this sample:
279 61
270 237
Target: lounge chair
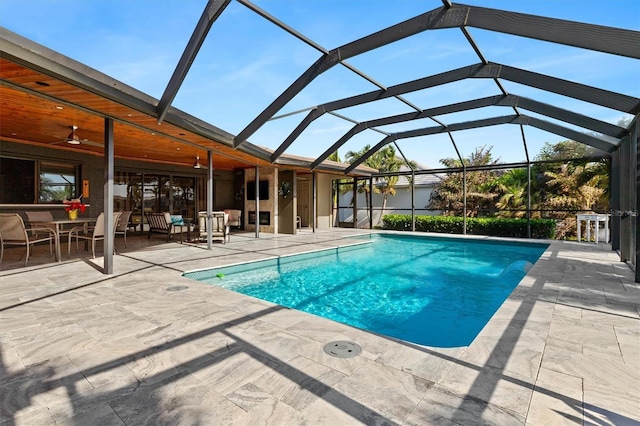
164 223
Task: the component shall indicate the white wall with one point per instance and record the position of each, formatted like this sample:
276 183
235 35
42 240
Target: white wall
396 204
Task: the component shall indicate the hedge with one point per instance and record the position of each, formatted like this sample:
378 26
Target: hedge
496 227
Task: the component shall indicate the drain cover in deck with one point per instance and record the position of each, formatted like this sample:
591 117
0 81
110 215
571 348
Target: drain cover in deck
177 288
342 349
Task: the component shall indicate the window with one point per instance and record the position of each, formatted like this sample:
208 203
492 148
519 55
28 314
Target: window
263 188
17 181
57 182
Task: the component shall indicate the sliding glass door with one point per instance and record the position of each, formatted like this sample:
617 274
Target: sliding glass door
150 192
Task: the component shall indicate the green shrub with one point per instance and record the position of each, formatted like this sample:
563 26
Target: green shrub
496 227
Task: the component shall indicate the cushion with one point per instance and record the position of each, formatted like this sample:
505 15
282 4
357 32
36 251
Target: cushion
177 219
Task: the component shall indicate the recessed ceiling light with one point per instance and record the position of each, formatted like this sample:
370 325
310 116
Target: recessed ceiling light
14 134
178 149
59 107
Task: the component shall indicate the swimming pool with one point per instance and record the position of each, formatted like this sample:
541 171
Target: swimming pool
428 290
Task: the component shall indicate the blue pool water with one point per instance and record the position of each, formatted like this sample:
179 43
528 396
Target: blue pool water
426 290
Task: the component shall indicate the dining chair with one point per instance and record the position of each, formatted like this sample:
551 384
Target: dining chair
15 233
44 216
123 225
93 235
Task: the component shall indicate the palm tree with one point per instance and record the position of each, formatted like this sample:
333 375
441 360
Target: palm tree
385 185
384 160
574 188
351 157
513 193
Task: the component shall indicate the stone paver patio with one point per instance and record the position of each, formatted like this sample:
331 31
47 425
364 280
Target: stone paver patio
79 347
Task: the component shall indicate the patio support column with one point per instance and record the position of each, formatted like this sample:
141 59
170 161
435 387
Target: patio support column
109 226
413 200
355 202
209 199
528 199
371 202
257 220
314 194
614 200
464 199
464 185
526 153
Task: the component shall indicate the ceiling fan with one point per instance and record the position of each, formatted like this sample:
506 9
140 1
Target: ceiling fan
198 165
74 139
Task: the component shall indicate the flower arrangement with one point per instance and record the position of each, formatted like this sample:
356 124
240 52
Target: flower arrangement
285 189
74 204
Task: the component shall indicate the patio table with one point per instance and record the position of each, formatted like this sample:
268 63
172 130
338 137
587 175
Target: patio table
596 219
57 225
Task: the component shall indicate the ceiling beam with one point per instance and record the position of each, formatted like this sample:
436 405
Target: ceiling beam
590 140
498 100
211 12
593 37
605 98
331 58
611 40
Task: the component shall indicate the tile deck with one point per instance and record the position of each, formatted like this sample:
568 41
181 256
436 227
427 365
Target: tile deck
80 347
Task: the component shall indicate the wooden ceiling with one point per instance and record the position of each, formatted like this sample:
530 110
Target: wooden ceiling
38 109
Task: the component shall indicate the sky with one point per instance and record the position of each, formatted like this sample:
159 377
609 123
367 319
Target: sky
246 62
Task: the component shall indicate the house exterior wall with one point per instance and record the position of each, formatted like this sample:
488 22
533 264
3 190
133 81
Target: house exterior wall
92 169
286 204
228 191
324 201
271 205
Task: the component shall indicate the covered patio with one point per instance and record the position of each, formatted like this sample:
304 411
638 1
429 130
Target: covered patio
82 348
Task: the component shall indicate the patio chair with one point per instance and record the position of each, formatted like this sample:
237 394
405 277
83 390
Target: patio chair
235 217
165 223
14 233
123 225
219 228
94 235
43 216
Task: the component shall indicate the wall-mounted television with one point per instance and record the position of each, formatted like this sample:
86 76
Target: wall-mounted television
263 188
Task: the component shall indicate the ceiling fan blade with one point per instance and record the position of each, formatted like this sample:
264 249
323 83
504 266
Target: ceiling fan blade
91 143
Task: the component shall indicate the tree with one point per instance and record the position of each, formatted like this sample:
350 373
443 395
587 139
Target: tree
448 196
563 151
362 188
385 185
512 188
557 184
384 160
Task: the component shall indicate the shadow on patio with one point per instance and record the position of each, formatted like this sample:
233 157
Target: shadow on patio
124 350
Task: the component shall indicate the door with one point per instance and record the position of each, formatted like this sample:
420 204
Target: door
304 195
